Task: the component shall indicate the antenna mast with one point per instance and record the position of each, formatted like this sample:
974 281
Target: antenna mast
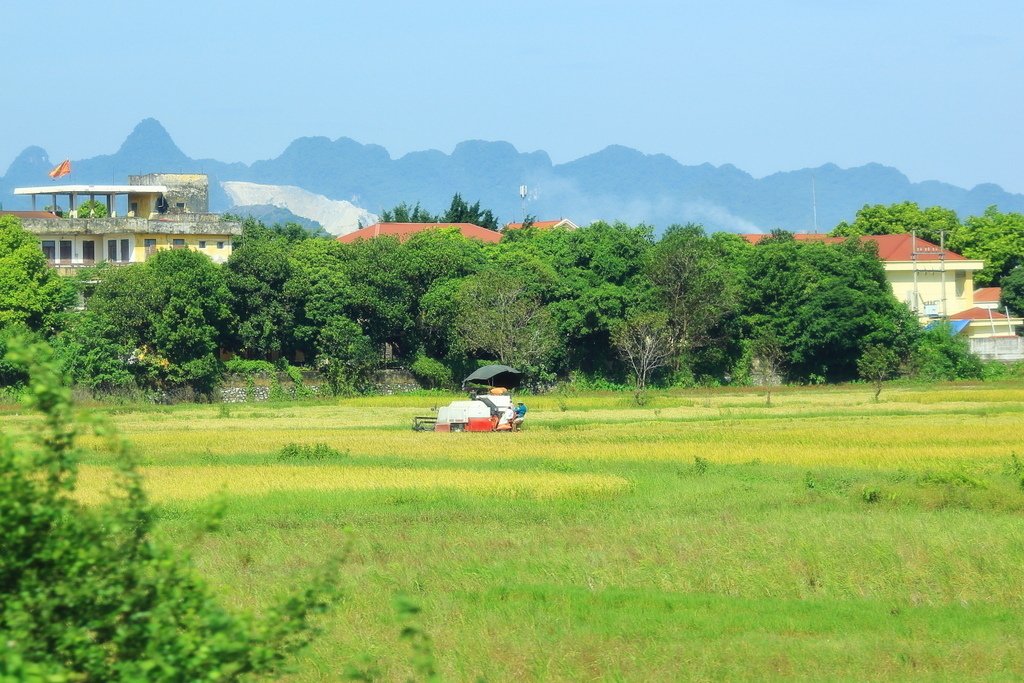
814 203
522 199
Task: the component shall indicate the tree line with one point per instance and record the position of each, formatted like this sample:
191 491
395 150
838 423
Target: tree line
606 305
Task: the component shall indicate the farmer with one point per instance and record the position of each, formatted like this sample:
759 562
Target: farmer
506 423
520 415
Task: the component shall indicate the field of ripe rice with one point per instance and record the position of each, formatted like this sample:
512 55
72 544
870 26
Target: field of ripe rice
701 537
193 483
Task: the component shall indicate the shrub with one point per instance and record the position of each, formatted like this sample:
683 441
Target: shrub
87 593
994 369
243 366
942 355
317 452
431 373
346 356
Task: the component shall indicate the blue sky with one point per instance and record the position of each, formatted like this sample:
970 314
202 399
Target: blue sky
933 88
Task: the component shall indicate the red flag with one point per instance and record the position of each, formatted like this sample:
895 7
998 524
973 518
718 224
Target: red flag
62 169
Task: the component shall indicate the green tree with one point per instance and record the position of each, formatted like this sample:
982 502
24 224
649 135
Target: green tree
110 345
459 211
897 219
1013 291
192 322
500 319
825 303
645 342
381 295
346 356
162 322
876 365
11 374
437 319
87 593
997 239
588 279
698 288
31 293
319 286
256 274
434 255
91 209
403 213
768 359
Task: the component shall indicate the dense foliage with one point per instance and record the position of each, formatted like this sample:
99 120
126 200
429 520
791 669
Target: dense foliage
559 303
1013 291
459 211
994 237
87 593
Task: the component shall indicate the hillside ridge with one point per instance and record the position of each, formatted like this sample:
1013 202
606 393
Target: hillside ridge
614 183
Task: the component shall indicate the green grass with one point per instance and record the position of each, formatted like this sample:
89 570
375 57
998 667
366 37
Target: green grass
828 537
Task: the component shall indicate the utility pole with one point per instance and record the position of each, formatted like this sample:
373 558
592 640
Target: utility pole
942 267
814 203
913 258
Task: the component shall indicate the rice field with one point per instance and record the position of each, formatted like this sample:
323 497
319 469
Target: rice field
700 537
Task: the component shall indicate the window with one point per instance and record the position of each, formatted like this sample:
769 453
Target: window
179 205
220 245
150 245
65 251
50 250
134 208
88 252
178 243
112 250
202 244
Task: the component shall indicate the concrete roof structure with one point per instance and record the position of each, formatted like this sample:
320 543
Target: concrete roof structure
194 224
403 231
91 189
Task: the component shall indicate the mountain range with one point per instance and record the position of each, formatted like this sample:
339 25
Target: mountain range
616 183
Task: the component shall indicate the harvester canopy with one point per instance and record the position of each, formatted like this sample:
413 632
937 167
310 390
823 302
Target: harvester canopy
495 376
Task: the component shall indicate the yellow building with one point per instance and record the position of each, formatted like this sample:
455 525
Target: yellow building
162 211
932 281
935 283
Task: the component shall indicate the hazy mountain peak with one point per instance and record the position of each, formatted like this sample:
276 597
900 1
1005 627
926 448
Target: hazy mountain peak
617 182
150 139
32 157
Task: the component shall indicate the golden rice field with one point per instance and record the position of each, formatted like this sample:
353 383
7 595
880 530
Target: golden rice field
183 482
701 537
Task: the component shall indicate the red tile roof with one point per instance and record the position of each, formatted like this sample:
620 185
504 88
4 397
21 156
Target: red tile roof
754 238
902 247
988 295
404 231
890 247
543 225
29 214
978 313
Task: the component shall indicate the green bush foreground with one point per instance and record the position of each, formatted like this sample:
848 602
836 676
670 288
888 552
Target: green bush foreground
87 594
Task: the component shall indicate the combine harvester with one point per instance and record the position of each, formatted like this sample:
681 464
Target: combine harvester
486 409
